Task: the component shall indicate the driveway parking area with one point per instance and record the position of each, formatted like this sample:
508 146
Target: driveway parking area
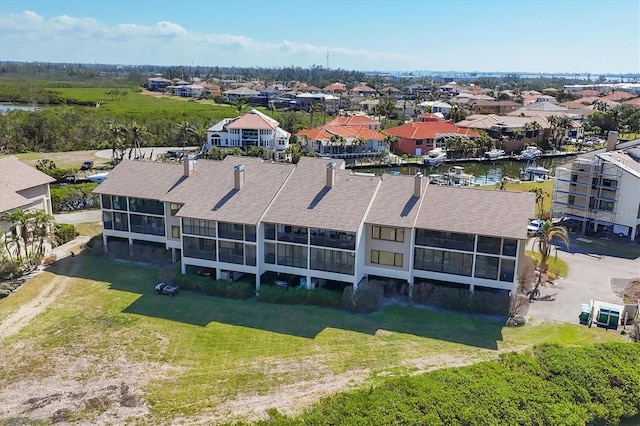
591 276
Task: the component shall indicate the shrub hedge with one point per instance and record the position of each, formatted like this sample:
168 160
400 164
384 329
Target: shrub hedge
65 232
219 288
548 385
299 296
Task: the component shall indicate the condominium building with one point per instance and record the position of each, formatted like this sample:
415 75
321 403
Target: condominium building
318 221
602 191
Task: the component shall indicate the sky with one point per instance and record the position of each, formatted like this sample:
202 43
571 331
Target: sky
553 36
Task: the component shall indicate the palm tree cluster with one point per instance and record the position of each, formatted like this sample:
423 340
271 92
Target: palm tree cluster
544 243
30 233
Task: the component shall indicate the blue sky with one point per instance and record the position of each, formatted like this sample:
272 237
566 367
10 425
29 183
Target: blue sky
572 36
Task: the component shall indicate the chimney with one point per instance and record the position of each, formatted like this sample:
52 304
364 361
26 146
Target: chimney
238 177
612 140
331 174
417 185
188 164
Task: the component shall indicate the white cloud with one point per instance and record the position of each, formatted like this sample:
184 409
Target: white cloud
68 39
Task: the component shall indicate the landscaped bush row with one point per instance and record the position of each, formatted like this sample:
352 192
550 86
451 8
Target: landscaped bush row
460 298
74 197
550 385
296 295
219 288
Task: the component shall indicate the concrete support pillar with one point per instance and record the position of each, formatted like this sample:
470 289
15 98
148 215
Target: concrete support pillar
218 274
183 269
410 281
105 243
130 247
634 229
173 254
309 284
257 282
471 287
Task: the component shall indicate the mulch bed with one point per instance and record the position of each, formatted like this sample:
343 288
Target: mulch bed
632 291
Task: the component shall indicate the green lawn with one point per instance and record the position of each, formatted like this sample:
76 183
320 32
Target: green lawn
556 265
216 349
547 186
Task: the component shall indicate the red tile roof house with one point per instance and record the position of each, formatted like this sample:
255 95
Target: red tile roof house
418 138
318 222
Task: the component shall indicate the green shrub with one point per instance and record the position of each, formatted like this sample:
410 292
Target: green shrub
218 288
74 197
9 268
549 385
65 232
422 293
367 298
451 297
299 296
324 298
495 302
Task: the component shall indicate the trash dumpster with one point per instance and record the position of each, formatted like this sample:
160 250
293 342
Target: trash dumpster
585 312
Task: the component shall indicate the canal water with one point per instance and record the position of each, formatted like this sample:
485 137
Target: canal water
5 108
485 172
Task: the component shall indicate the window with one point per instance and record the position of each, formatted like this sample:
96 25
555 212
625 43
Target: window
571 199
269 231
489 245
609 183
107 220
418 142
487 267
574 177
507 270
175 231
388 234
106 201
270 253
443 239
250 233
386 258
605 205
232 231
328 260
509 247
250 254
120 221
143 205
149 225
119 203
231 252
199 248
174 207
332 238
289 255
294 234
202 227
443 261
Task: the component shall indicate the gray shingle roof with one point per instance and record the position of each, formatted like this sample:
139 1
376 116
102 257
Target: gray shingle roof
143 179
305 201
209 192
395 204
15 176
471 210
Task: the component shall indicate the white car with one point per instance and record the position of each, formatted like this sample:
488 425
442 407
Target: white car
535 227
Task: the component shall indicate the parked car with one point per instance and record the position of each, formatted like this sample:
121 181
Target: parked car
166 288
535 227
87 165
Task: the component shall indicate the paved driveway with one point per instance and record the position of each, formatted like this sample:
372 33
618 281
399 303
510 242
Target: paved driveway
81 216
590 277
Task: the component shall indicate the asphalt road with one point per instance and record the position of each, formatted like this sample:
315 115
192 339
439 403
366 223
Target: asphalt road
106 153
75 218
590 276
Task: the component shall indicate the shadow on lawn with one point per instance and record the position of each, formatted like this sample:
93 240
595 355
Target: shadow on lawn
296 320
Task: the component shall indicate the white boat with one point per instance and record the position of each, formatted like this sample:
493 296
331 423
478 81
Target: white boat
435 157
530 152
457 177
98 177
533 172
494 153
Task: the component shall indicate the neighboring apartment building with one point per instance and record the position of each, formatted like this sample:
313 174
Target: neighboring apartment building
602 191
317 221
251 129
22 187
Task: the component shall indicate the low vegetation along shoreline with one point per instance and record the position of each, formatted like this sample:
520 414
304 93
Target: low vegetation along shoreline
124 354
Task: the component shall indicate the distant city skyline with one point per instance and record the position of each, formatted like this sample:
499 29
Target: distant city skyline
556 37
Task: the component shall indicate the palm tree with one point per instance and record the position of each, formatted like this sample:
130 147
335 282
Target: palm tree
338 140
358 142
540 194
42 223
544 243
118 132
19 220
240 105
186 131
391 141
138 135
502 183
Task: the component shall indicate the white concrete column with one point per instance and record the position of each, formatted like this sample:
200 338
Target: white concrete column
309 285
173 254
105 244
257 282
183 269
218 274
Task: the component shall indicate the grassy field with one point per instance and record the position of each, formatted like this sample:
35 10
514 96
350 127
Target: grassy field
547 186
207 358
